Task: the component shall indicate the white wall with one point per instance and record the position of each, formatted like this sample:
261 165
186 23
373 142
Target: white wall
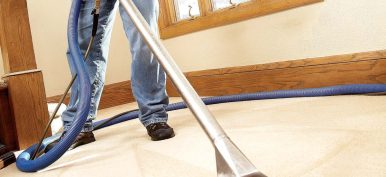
48 25
328 28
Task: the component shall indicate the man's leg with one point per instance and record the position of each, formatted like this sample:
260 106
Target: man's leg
96 64
148 78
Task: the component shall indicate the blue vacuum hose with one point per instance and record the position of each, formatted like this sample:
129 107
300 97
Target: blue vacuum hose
312 92
24 163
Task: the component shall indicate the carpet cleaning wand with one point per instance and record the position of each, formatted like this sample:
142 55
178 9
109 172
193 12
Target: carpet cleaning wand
231 162
95 13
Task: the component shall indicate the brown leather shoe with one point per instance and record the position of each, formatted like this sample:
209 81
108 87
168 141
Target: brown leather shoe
82 139
160 131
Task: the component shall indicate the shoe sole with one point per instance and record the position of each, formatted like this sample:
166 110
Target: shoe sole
169 134
77 144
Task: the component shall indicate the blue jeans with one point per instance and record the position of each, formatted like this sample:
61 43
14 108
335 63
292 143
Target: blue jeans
148 78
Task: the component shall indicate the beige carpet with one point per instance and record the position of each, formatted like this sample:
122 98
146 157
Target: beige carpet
341 136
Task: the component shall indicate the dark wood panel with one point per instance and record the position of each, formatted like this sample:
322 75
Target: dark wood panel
365 67
7 124
6 157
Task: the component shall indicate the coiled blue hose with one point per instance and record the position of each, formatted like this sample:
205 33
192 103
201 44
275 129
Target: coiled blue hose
312 92
25 164
23 161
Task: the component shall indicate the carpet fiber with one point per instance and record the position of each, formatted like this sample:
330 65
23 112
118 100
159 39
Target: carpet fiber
301 137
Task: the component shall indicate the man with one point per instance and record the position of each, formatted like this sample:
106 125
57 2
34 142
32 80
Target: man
148 78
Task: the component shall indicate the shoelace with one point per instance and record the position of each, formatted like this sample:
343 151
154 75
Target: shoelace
161 124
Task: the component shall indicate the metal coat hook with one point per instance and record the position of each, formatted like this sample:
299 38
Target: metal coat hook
192 17
233 5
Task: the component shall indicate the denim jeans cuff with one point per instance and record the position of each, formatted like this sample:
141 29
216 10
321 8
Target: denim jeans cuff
154 120
88 127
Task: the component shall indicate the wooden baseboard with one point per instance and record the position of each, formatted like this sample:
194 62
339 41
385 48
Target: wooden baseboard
112 95
367 68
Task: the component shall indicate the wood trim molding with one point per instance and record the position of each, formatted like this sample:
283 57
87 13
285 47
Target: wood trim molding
169 29
298 74
346 58
366 67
